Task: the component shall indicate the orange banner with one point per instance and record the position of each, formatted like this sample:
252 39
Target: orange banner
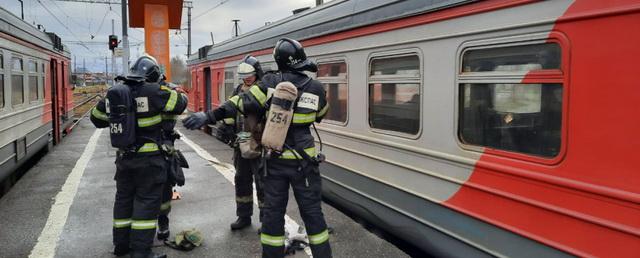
156 35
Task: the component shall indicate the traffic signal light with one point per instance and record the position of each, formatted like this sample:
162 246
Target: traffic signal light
113 42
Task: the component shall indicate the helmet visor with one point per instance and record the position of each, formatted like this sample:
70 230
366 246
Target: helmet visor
246 75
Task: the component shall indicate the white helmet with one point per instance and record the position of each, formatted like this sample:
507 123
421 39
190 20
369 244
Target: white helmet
245 70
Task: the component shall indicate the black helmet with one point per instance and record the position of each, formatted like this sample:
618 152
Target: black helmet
290 56
145 69
251 60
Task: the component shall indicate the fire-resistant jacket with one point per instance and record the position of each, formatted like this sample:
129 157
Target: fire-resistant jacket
311 107
154 102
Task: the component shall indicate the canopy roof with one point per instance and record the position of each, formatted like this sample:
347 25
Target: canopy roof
136 12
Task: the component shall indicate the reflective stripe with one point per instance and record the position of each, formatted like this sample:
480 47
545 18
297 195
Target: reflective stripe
149 121
319 238
165 206
171 104
299 118
256 92
292 154
270 92
229 121
244 199
234 100
143 224
324 110
121 223
149 147
99 115
169 117
240 105
271 240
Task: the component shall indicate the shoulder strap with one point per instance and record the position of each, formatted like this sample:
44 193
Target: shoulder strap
302 89
236 91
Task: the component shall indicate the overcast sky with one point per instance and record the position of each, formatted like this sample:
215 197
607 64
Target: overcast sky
82 21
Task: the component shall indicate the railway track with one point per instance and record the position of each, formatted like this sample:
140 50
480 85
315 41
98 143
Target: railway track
85 105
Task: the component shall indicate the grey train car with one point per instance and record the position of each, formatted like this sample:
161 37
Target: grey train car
470 128
35 95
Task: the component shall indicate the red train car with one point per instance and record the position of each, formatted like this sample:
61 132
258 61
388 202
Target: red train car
36 99
471 128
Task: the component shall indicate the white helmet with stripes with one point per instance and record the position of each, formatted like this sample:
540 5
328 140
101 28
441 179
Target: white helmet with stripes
246 70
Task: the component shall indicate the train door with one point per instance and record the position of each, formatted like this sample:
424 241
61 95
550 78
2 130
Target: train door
207 89
55 115
219 85
63 106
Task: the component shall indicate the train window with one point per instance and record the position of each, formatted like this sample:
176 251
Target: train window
394 94
17 89
1 81
33 88
513 59
17 81
333 77
1 90
229 83
33 67
33 80
499 113
41 85
16 64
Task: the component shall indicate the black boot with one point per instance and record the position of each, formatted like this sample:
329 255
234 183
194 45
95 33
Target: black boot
121 250
163 232
147 254
241 223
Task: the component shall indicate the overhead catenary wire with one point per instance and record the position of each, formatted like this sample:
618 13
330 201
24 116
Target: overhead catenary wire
101 22
136 29
209 10
62 23
65 14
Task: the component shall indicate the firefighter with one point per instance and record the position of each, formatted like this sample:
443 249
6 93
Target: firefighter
175 163
247 168
297 163
141 168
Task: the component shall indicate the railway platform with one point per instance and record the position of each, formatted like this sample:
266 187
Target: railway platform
63 206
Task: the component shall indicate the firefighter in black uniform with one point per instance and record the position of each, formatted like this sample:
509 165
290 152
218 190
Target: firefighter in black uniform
246 169
297 165
175 164
141 170
232 115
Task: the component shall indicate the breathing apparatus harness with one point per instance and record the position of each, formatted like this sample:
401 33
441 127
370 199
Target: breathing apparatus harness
300 155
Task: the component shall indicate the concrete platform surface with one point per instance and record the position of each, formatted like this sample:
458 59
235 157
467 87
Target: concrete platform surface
63 206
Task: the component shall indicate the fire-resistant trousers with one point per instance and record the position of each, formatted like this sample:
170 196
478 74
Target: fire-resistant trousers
139 183
165 207
246 171
281 175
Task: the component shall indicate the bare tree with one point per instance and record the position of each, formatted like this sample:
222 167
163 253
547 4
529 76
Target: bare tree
179 72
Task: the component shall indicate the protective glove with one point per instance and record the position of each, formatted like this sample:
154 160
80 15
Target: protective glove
196 120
